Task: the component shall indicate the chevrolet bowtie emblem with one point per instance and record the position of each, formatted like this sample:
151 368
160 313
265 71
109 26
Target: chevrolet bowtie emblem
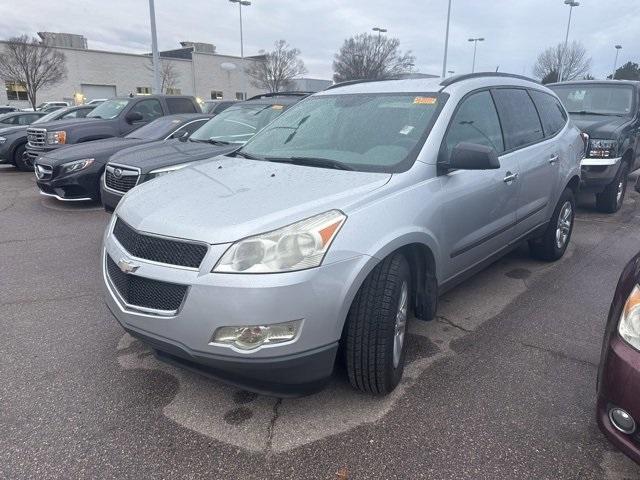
127 266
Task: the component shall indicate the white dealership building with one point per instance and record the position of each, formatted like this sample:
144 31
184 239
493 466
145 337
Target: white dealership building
193 69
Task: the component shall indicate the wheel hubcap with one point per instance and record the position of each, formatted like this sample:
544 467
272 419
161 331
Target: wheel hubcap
401 324
565 219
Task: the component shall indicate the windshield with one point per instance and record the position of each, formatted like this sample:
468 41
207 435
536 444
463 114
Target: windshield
370 132
109 109
596 99
157 129
237 124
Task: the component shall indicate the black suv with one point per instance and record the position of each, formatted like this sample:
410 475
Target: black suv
113 118
222 134
609 112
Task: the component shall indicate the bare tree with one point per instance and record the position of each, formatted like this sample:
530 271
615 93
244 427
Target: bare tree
576 63
371 57
169 76
278 68
32 65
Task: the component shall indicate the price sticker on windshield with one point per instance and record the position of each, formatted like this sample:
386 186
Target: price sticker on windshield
425 100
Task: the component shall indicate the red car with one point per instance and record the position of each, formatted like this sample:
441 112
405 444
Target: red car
619 372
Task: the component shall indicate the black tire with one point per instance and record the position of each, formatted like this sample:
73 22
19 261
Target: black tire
371 327
548 247
612 197
19 161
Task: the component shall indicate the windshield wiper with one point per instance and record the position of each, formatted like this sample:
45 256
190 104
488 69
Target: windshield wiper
240 153
211 141
312 162
586 112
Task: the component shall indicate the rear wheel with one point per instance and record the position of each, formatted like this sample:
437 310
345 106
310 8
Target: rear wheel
377 327
612 197
19 159
555 240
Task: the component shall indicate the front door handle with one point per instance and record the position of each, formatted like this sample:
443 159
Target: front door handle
510 177
553 159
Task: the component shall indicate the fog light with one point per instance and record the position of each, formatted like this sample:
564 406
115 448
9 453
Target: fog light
251 337
622 421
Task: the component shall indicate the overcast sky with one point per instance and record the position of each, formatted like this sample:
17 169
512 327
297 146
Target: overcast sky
515 30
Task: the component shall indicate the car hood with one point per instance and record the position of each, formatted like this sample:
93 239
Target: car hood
9 130
226 199
170 152
61 124
600 127
99 150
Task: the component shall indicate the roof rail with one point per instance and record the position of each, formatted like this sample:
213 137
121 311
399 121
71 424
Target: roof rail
355 82
280 94
458 78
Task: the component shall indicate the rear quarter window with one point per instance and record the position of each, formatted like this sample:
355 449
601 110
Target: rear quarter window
552 114
518 116
181 105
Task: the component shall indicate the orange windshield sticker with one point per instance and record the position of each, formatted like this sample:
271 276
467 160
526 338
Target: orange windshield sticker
425 100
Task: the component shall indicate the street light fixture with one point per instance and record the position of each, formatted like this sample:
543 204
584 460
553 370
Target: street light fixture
242 3
615 62
475 48
571 3
380 31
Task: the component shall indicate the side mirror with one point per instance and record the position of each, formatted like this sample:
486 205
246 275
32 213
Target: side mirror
133 117
472 156
182 136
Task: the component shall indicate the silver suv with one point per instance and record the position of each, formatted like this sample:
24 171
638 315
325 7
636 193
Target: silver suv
337 223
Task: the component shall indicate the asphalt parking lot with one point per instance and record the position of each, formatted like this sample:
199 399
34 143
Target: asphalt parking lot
500 385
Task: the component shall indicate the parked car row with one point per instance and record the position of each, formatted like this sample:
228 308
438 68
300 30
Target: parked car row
287 238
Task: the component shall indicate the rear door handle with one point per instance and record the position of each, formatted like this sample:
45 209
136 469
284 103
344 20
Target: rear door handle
553 159
510 177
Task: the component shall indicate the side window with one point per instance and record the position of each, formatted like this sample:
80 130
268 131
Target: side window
191 127
476 121
26 119
149 109
82 113
551 112
11 120
73 114
519 117
180 105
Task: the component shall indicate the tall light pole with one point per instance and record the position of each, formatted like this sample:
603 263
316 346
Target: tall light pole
154 49
243 82
380 31
475 48
446 42
571 3
615 62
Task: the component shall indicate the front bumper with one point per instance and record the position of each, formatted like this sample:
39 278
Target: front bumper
78 186
316 296
597 173
620 387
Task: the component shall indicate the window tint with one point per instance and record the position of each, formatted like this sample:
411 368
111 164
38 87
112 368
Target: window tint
11 120
191 127
181 105
26 119
149 109
476 121
551 112
519 117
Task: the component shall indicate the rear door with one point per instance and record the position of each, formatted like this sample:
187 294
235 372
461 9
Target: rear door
479 205
538 158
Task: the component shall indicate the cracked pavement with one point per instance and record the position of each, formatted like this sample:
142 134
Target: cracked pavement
500 385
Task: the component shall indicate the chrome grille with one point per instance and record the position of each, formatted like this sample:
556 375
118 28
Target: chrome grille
159 249
120 179
43 172
37 137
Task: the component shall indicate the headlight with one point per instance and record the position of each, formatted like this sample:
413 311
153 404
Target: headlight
57 138
602 148
296 247
252 337
2 140
163 171
77 165
629 326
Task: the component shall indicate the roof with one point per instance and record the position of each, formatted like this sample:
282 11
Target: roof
286 98
595 82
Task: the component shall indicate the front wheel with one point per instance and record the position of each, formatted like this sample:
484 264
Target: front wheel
555 240
377 327
612 197
19 160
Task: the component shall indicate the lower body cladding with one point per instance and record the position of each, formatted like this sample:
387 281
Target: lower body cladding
201 303
618 410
